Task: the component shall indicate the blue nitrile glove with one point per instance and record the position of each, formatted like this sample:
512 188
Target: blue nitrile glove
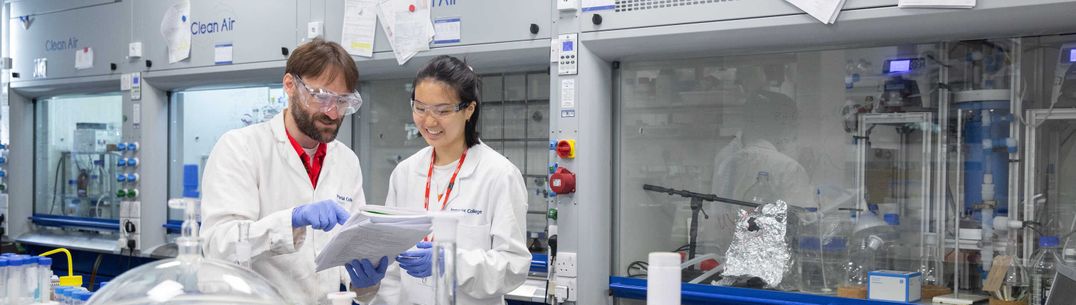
417 262
363 274
322 215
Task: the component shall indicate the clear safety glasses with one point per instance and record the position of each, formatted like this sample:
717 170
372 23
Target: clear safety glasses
438 111
326 100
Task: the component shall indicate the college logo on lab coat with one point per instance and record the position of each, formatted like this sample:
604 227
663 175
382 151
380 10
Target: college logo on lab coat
344 198
474 212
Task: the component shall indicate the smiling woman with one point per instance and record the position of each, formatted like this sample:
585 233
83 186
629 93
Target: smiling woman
463 176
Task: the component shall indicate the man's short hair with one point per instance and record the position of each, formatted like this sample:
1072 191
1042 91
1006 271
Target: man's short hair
318 56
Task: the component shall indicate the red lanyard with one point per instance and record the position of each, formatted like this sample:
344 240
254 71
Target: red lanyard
451 182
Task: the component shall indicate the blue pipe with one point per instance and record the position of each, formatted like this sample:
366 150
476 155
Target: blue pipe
71 221
635 288
979 160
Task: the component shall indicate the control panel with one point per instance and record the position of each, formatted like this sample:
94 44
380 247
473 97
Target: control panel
567 64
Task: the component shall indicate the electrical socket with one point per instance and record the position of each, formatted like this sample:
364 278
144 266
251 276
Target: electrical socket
566 264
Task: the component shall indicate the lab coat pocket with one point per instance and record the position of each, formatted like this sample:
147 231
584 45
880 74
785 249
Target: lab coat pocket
474 237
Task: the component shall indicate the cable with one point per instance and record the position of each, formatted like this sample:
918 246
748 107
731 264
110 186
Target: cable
56 186
96 264
638 265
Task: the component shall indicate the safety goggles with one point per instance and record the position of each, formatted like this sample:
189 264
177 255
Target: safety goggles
438 111
326 100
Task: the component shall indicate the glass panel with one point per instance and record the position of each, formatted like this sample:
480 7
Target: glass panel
783 127
492 88
75 155
200 117
394 136
537 86
516 120
515 87
896 147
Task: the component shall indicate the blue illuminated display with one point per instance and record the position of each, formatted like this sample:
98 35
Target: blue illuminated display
903 65
566 46
1072 55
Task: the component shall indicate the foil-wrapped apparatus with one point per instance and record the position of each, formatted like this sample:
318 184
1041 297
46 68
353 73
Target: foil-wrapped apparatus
762 246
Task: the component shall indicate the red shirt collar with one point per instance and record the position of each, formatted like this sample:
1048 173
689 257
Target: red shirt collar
313 169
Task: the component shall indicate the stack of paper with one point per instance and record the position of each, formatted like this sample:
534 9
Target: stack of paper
372 233
936 3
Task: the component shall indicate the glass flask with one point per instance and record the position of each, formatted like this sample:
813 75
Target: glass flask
189 278
444 265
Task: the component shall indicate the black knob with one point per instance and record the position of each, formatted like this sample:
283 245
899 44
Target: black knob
597 19
14 74
149 63
284 51
534 29
112 66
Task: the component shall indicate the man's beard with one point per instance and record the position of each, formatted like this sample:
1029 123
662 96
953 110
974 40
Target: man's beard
305 122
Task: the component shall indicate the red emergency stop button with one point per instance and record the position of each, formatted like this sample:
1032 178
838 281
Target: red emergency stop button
562 181
566 149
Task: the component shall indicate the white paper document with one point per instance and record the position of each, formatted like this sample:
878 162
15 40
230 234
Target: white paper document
84 58
175 27
936 4
41 67
407 25
825 11
373 233
360 24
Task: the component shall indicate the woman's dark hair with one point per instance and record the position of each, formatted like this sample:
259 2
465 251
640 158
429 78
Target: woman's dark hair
456 74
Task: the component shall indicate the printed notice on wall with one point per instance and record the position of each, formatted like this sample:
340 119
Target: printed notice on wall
222 53
360 23
567 93
407 25
84 58
447 30
175 27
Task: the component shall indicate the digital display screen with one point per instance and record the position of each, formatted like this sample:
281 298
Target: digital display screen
900 65
1072 55
566 46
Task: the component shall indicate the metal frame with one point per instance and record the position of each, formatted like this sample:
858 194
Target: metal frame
1034 118
925 120
922 118
941 171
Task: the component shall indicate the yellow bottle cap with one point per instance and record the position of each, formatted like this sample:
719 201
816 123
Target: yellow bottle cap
71 281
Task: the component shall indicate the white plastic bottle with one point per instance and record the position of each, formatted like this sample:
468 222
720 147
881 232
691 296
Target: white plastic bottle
4 266
30 278
44 279
16 278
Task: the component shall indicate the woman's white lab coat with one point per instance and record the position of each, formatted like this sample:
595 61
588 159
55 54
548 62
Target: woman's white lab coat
492 256
255 174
